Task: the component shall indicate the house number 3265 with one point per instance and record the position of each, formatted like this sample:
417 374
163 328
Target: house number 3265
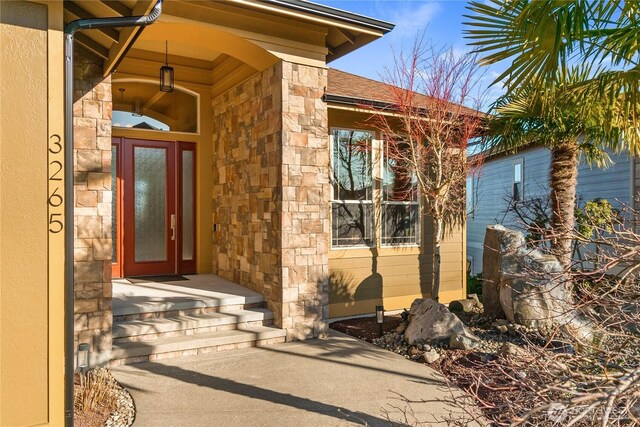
55 180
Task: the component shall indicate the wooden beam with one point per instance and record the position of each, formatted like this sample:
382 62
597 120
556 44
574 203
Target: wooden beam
347 34
127 37
92 45
337 51
155 98
80 13
117 7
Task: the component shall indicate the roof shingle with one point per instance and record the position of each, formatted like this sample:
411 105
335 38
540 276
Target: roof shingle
347 85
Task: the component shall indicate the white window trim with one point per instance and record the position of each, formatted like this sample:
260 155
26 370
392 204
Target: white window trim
367 202
377 175
383 202
474 181
519 161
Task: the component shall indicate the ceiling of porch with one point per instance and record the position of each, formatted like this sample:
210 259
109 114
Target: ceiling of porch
219 43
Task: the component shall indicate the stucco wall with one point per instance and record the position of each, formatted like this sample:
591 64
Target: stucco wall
270 192
92 248
24 140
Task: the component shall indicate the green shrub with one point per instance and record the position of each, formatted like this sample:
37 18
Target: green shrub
474 284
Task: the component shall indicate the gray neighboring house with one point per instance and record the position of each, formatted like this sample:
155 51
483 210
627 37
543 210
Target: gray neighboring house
523 175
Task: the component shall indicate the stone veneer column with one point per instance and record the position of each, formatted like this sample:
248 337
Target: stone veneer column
246 185
270 206
305 201
92 228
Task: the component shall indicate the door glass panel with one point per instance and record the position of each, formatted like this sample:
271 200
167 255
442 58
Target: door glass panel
187 205
150 170
114 201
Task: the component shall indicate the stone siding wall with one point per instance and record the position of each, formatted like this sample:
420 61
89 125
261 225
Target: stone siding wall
305 201
247 158
92 228
271 193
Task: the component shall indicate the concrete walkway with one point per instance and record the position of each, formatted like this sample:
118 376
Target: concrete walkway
338 381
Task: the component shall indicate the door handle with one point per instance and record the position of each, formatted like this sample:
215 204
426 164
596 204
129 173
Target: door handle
173 226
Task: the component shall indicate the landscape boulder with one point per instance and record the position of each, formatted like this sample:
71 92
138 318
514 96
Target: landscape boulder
526 286
522 284
467 305
463 341
533 289
498 243
431 321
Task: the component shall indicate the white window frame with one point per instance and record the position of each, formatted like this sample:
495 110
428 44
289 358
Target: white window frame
376 201
372 201
383 160
472 183
518 162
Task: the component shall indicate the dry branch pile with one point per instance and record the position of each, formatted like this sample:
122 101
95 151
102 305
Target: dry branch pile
556 380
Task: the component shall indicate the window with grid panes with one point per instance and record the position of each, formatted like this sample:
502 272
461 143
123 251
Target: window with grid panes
400 202
352 205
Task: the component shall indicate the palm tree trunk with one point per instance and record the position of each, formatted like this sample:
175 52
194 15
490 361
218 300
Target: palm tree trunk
563 178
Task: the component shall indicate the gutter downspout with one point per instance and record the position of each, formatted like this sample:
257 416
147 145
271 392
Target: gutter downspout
69 31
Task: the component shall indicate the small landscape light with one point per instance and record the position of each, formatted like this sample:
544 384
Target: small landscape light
380 316
83 357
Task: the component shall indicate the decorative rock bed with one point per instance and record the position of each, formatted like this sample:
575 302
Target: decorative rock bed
125 412
494 337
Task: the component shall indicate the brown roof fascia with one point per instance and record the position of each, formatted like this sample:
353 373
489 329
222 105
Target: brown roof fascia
333 13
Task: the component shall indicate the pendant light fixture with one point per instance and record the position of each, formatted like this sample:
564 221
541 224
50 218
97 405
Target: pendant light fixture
136 107
166 73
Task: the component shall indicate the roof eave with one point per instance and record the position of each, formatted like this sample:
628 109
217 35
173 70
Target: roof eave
333 13
356 102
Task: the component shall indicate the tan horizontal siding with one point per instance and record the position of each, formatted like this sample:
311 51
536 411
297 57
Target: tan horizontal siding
369 306
393 277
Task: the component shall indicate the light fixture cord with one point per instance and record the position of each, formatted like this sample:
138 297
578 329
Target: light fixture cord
166 52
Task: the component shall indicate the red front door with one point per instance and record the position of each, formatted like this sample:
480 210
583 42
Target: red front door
155 216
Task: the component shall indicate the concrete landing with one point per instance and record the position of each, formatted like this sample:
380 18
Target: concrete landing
338 381
132 296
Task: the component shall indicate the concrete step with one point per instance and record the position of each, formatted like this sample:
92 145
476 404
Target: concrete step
187 307
191 345
192 295
165 327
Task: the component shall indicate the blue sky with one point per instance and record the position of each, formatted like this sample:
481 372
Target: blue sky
442 20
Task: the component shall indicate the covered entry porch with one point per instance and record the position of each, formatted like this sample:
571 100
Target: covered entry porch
247 102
